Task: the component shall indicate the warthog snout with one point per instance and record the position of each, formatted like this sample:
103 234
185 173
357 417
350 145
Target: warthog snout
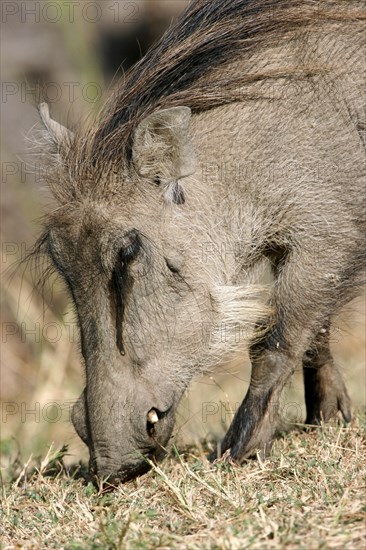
144 432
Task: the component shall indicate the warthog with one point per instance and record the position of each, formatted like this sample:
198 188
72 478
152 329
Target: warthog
241 130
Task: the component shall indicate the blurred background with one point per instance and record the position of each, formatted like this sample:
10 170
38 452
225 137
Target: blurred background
70 54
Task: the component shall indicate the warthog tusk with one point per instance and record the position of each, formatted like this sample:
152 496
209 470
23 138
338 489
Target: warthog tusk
152 417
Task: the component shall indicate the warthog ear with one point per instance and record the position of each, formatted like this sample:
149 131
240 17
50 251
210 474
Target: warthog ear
162 151
58 134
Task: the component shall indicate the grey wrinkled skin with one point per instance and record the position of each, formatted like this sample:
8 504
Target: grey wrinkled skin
237 142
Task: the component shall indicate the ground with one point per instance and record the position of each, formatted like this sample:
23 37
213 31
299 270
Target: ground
310 493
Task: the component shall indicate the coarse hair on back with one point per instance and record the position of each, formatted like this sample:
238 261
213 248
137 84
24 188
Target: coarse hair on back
208 35
187 66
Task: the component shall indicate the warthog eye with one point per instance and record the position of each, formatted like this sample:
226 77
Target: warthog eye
130 252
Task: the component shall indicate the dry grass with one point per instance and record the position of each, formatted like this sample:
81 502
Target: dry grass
308 494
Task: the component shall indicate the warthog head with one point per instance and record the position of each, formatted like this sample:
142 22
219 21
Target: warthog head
132 243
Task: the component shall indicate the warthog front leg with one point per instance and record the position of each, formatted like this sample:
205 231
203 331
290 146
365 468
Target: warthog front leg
325 391
303 301
273 363
256 419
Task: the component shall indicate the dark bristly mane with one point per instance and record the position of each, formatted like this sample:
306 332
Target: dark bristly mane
209 34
